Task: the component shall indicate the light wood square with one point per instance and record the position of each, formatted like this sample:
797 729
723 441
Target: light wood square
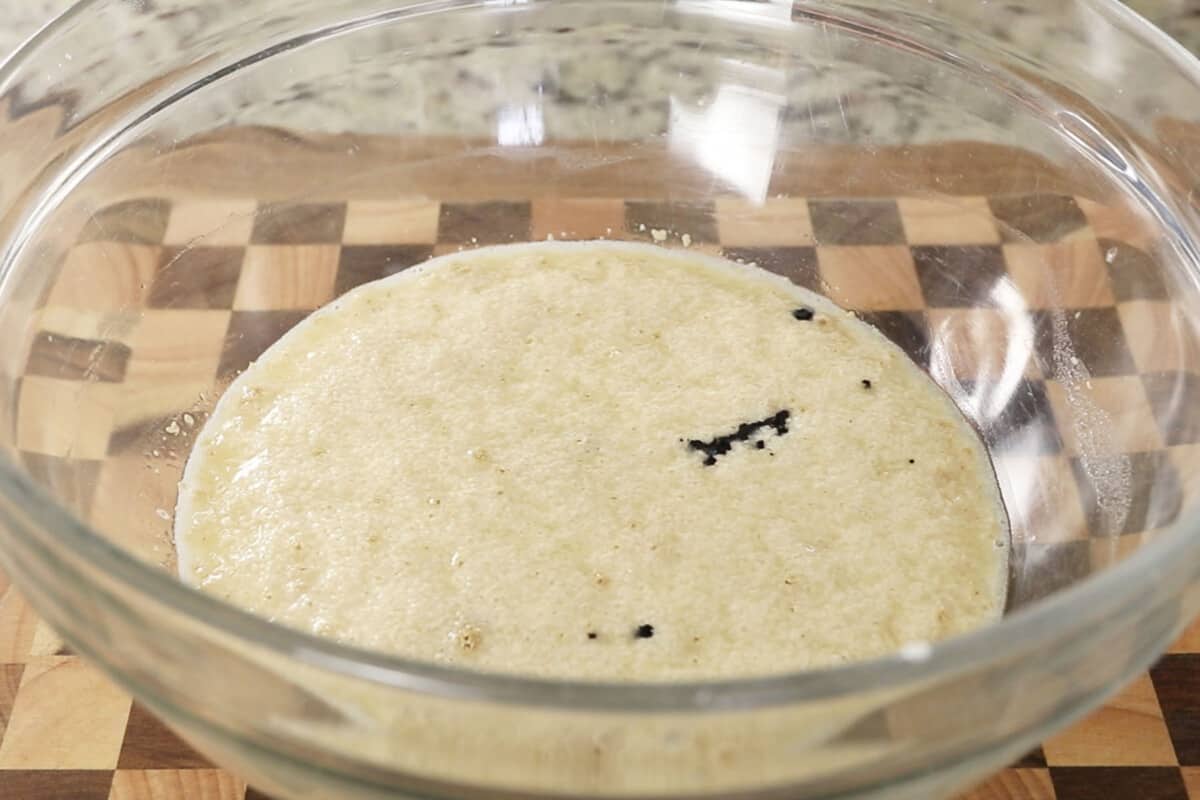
134 503
1109 414
975 343
1042 499
84 324
1186 460
402 221
176 346
1159 337
777 222
65 418
1191 781
18 624
583 218
138 401
67 715
1108 551
1066 274
1014 784
871 278
281 277
954 221
211 222
1189 641
173 784
105 276
1127 730
1122 223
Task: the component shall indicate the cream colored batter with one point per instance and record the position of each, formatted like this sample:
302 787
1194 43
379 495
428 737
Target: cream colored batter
595 460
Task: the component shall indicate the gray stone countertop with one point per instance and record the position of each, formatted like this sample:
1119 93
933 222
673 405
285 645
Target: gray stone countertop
1180 18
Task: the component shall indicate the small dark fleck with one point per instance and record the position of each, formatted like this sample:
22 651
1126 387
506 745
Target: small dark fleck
644 631
803 314
592 634
721 445
760 444
866 383
912 461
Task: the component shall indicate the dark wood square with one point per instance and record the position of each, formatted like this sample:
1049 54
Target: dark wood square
196 277
697 220
959 276
1014 420
1154 491
483 223
149 744
1044 569
1175 400
1134 273
56 356
255 794
907 329
1118 783
797 264
55 784
1036 217
1094 336
1177 682
1034 759
856 222
141 221
249 334
361 264
299 223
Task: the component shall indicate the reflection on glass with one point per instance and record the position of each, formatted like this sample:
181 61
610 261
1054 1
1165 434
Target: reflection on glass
736 136
520 126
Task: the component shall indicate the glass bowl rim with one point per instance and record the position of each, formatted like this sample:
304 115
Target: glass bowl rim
1026 630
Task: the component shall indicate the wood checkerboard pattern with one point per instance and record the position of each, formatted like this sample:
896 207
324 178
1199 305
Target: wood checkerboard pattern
161 302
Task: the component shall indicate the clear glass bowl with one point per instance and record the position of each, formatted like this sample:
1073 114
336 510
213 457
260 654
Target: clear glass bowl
1008 192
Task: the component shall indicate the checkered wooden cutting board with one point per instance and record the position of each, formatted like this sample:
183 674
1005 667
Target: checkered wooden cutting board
211 283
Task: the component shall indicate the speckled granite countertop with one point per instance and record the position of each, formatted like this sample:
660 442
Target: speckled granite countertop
312 96
1180 18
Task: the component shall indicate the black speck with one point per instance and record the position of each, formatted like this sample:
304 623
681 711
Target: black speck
866 383
804 314
720 445
644 631
912 461
760 444
593 635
